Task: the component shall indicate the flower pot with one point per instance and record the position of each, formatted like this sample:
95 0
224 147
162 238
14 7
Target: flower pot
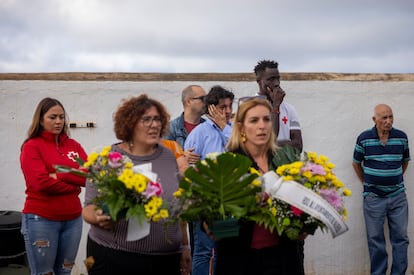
225 228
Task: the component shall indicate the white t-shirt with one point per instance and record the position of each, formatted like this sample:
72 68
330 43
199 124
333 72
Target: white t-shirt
288 120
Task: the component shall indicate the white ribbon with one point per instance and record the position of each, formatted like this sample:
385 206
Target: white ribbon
306 200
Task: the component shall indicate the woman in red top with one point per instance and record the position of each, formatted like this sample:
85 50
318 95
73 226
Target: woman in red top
51 221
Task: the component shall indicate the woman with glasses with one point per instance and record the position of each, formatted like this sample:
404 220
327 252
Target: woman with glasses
256 250
139 124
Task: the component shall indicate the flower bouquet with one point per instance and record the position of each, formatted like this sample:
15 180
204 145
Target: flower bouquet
221 187
304 195
123 192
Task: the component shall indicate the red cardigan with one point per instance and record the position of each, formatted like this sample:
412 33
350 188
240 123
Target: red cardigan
54 199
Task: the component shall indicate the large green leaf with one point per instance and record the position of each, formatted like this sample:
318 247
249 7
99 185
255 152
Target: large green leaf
219 188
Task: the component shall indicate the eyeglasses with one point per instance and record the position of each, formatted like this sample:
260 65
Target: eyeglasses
199 97
248 98
147 120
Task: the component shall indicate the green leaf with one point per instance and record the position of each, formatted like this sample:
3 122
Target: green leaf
219 188
285 154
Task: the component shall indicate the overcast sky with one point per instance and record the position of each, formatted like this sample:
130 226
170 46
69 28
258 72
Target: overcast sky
343 36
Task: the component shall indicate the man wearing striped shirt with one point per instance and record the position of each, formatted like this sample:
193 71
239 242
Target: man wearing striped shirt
380 159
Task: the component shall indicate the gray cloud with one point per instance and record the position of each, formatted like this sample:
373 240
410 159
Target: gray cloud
206 36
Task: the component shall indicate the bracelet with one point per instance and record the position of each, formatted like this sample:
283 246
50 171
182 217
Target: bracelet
185 247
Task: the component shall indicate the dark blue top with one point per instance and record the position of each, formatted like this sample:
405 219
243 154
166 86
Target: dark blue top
177 130
382 164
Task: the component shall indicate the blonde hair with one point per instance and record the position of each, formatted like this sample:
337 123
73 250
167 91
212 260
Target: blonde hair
235 141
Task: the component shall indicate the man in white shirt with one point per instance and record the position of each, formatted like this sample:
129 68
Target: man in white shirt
285 119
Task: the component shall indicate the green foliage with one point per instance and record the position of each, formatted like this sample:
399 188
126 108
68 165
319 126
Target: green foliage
286 154
220 188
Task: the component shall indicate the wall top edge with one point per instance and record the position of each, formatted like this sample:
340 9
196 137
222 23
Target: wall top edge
82 76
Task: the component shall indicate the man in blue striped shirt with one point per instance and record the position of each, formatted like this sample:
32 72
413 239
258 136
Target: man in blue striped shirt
380 159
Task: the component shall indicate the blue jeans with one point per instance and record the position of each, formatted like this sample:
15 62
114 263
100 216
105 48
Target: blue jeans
396 210
203 251
51 246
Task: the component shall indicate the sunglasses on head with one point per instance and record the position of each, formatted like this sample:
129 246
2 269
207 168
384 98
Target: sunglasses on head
248 98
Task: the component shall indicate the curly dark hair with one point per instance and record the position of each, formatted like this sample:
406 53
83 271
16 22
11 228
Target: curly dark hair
263 64
216 93
130 112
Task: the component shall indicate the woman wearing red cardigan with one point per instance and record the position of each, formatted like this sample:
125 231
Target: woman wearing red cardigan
51 221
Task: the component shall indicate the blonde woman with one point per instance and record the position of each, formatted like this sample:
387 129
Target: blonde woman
256 250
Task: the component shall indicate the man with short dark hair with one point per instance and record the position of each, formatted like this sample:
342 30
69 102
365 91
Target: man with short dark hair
285 119
210 137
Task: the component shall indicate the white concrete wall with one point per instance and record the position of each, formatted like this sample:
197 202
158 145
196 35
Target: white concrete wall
332 114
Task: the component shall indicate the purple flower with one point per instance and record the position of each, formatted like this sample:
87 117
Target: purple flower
115 159
332 197
316 169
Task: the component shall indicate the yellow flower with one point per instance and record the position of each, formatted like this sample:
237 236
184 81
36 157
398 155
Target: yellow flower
257 182
92 157
102 173
164 213
281 169
178 193
345 214
273 210
157 201
337 183
105 151
312 156
320 178
324 158
155 218
347 192
254 171
150 209
307 174
287 178
297 165
294 171
269 201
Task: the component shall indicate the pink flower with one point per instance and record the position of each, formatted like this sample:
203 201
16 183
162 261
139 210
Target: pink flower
153 189
115 159
296 211
332 197
316 169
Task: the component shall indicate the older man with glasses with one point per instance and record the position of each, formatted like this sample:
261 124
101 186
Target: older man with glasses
192 98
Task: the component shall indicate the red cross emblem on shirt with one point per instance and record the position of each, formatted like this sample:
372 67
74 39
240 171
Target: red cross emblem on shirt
284 119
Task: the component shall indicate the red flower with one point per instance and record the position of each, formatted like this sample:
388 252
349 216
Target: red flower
296 211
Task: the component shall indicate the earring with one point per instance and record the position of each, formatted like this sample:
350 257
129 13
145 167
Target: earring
243 137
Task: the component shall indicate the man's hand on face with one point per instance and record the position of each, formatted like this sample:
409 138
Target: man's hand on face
275 96
217 115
